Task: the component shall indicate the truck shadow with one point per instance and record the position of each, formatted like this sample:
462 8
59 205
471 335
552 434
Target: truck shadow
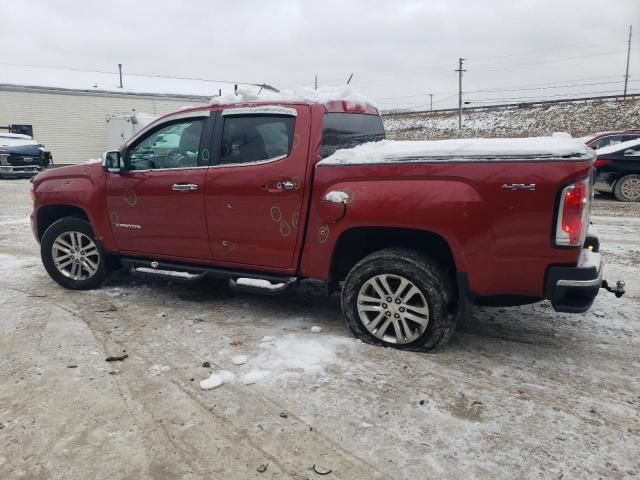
531 326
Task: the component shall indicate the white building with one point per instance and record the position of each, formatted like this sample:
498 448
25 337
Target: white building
68 108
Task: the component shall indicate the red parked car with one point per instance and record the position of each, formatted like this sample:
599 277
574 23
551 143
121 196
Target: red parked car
266 194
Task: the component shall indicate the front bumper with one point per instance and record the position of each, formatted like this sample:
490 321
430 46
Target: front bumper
573 289
20 170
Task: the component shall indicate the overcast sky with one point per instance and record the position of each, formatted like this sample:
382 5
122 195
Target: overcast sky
399 51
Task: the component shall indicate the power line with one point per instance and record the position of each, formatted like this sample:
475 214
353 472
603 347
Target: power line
565 47
545 88
146 75
580 59
517 88
537 96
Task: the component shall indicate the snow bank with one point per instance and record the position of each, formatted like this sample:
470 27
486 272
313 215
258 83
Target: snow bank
239 360
617 147
304 95
217 379
589 259
464 149
255 376
336 197
259 283
296 353
167 273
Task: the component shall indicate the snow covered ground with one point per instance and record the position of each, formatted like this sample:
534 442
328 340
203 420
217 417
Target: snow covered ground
519 393
576 118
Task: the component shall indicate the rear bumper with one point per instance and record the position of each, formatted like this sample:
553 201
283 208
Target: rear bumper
573 289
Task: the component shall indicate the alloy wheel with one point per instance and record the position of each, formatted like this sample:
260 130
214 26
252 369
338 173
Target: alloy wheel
75 255
393 309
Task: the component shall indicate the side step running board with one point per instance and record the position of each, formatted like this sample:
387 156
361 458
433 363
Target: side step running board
174 275
254 282
259 285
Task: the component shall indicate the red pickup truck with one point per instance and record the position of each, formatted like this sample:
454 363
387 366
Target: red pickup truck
268 193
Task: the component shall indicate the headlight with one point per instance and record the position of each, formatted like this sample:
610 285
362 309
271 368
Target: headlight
4 159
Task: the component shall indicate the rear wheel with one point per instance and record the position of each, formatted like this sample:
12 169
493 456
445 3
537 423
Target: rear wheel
627 189
71 255
399 298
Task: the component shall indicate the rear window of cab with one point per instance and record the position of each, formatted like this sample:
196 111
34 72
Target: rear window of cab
347 130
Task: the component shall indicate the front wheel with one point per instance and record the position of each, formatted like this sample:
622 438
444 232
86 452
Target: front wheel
71 255
627 189
399 298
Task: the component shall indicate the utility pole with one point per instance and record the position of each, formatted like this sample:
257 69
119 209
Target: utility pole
431 101
120 70
316 82
626 75
460 70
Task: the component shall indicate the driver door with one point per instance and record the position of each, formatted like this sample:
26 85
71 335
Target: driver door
156 205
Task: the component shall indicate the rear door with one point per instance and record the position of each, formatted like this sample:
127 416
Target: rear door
255 188
157 206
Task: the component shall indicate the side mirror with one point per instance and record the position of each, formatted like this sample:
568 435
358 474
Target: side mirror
112 161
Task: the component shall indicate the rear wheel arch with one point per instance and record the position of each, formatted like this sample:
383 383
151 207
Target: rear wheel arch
399 297
627 188
356 243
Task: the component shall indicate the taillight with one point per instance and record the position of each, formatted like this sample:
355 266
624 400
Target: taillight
573 214
601 163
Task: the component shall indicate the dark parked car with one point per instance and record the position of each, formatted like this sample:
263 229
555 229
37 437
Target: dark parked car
604 139
618 170
21 156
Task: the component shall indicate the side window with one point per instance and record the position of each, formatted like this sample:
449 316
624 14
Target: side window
605 141
254 138
172 146
632 152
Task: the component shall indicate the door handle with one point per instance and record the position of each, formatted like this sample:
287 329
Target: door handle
286 185
281 186
184 187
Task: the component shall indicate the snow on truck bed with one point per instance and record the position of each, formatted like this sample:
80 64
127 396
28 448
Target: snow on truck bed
471 149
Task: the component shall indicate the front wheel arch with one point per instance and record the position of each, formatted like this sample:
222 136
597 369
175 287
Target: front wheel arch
49 214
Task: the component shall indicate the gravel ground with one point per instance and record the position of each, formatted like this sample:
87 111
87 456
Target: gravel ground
519 393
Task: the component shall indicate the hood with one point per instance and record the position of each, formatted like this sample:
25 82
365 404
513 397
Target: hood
89 169
34 149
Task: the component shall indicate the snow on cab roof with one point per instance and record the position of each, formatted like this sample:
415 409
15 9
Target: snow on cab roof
321 95
471 149
616 147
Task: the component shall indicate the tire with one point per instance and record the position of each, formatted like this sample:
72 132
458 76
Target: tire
627 189
90 269
387 270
